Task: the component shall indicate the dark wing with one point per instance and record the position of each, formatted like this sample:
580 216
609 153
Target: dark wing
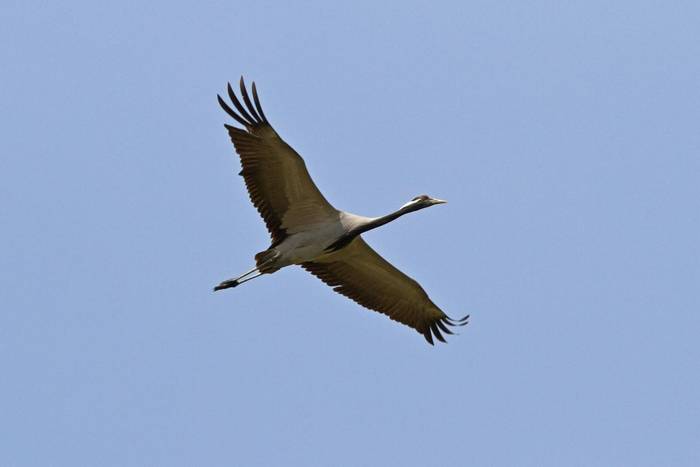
278 183
359 273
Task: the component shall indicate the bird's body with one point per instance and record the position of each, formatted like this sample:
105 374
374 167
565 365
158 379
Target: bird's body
307 230
312 243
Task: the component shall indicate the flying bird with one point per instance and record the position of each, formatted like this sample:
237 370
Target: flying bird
308 231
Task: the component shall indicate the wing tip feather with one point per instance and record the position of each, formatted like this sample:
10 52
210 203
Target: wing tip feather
231 112
248 103
249 115
442 325
250 121
257 104
436 332
428 336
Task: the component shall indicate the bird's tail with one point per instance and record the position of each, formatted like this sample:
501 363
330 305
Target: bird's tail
264 261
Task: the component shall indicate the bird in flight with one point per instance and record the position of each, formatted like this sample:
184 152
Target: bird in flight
308 231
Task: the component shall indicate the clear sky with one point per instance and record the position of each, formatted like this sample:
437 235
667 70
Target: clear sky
565 135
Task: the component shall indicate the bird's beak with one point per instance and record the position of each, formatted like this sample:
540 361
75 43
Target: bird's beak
439 201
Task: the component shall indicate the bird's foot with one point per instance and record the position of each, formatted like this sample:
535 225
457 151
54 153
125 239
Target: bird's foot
226 285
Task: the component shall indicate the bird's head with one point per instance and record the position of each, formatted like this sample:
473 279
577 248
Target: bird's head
422 201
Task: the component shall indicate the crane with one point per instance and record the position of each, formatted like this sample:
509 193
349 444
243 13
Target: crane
306 230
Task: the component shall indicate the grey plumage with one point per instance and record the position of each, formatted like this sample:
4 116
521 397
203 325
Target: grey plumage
307 230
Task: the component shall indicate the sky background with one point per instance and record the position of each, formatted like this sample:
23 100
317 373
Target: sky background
565 136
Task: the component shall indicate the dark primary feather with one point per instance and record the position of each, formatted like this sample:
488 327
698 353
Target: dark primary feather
257 103
241 109
230 111
246 99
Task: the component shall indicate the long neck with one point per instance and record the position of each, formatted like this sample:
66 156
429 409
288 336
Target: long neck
369 224
379 221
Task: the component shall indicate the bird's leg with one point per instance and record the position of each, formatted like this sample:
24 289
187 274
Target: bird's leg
235 282
244 277
238 280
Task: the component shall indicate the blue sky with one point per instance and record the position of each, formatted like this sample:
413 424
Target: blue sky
564 135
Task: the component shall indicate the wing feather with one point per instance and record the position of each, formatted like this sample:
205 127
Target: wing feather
276 177
361 274
246 99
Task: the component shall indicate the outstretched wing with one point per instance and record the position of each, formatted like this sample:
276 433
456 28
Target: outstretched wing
278 183
361 274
